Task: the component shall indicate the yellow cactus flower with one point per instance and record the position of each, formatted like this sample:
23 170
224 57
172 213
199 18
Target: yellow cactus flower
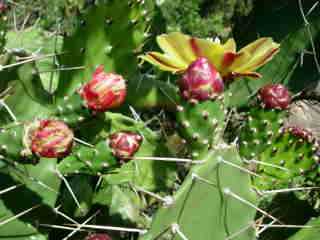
181 50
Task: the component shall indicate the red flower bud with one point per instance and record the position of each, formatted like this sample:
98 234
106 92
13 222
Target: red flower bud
3 7
98 236
275 96
300 132
51 139
124 144
104 91
201 81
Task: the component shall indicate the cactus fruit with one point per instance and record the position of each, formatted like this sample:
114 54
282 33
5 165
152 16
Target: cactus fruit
201 81
274 96
104 91
98 236
300 133
124 144
3 7
49 138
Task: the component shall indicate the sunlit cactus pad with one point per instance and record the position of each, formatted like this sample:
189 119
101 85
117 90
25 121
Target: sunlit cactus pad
210 195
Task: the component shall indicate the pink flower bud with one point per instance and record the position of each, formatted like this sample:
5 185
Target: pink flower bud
275 96
124 144
3 7
51 139
104 91
98 236
201 81
300 132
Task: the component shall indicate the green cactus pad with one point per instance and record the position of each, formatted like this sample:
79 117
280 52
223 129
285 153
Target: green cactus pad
112 33
148 174
89 160
203 209
296 156
277 155
259 130
200 124
11 144
72 110
26 96
122 200
3 30
83 191
38 186
108 33
310 232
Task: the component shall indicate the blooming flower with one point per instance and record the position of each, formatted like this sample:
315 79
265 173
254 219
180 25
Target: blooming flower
181 50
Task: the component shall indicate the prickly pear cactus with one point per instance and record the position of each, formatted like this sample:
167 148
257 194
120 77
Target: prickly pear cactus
109 33
94 141
283 155
40 187
200 124
12 146
210 195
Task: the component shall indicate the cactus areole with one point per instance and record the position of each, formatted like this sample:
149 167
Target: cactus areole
275 96
124 144
51 139
201 81
104 91
98 236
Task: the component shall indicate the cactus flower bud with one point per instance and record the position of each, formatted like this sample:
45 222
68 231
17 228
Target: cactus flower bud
124 144
275 96
104 91
201 81
3 6
300 132
51 139
98 236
